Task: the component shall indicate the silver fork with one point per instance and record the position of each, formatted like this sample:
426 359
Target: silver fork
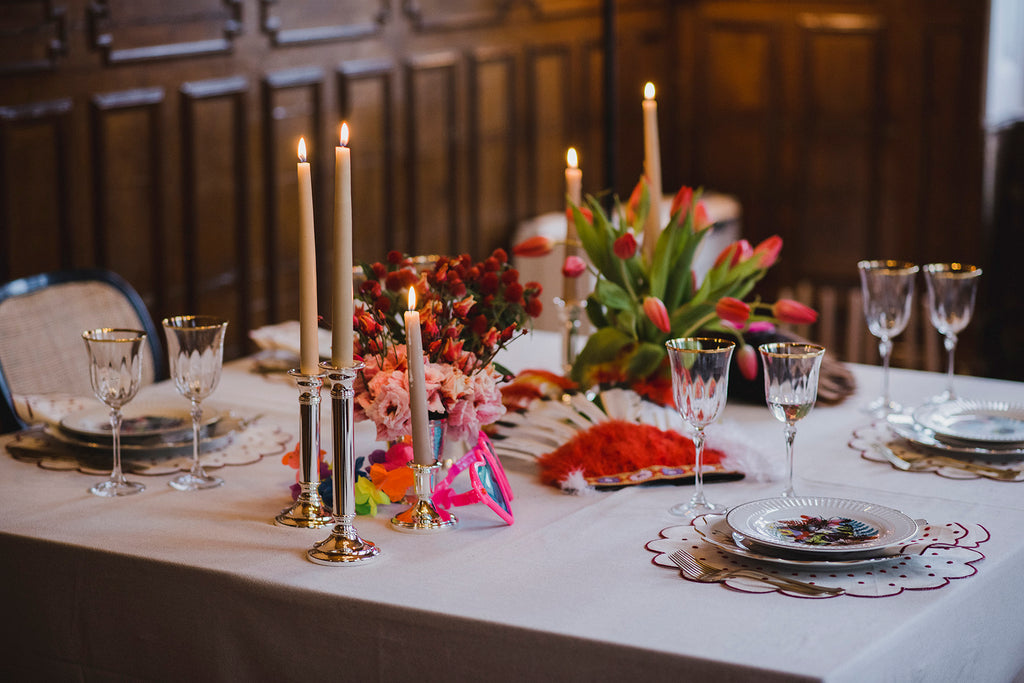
699 571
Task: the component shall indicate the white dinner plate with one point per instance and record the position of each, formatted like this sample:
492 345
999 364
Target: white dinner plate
907 427
823 526
143 422
975 422
716 530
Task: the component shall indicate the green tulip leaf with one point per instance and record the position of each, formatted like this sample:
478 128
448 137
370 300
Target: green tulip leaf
646 359
613 296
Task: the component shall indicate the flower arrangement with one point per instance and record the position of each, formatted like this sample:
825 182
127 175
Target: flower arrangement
469 311
639 304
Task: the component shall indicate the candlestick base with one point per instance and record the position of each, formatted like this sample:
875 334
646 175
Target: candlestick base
572 325
423 516
308 511
342 548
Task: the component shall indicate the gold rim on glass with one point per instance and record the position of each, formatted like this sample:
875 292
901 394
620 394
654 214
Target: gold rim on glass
792 350
889 265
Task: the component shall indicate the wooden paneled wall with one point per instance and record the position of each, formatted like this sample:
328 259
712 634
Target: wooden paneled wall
158 139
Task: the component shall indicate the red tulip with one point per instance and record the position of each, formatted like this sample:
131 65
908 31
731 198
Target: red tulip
588 215
732 310
767 252
633 205
789 311
746 358
574 266
656 311
701 221
538 245
625 246
682 201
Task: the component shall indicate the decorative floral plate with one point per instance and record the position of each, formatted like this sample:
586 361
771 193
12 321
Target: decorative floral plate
715 530
821 525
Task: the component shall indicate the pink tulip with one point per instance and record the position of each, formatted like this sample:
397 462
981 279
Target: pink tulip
658 314
573 266
538 245
767 252
732 310
735 253
789 311
746 358
625 246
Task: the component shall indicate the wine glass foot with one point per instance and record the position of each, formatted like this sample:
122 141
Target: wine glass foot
190 482
116 489
694 509
882 407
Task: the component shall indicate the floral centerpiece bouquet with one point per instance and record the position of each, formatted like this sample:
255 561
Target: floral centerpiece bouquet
639 303
469 311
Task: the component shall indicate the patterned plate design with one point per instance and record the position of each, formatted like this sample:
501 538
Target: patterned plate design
821 525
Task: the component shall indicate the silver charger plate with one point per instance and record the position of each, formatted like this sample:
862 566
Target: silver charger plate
144 422
218 436
982 423
907 427
822 526
716 531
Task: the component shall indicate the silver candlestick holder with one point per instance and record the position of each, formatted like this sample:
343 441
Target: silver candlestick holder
423 516
343 547
308 511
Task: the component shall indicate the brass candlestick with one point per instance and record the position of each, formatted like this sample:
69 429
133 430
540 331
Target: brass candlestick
423 516
343 547
308 511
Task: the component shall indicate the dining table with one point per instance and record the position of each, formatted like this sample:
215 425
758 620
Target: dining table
203 585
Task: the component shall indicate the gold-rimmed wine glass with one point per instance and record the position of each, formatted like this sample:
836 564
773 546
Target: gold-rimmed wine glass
195 347
700 384
888 291
951 291
790 388
115 372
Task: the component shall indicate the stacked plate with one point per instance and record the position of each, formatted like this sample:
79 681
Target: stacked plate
810 531
148 428
970 427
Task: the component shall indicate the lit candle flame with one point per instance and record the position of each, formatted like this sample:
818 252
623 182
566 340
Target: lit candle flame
302 150
412 299
570 158
649 91
344 134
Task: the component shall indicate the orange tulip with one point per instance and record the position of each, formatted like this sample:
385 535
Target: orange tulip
789 311
658 314
538 245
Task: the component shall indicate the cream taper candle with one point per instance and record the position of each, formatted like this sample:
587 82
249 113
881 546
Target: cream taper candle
341 316
652 169
574 195
309 349
423 453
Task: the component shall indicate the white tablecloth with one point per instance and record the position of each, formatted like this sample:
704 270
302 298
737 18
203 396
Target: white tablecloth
176 586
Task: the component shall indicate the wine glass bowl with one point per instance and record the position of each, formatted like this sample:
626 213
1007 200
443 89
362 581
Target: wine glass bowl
790 388
115 372
700 379
888 292
195 348
951 291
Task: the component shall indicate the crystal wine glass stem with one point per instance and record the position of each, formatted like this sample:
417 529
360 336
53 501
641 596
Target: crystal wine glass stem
698 468
885 349
950 343
116 475
197 414
790 431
